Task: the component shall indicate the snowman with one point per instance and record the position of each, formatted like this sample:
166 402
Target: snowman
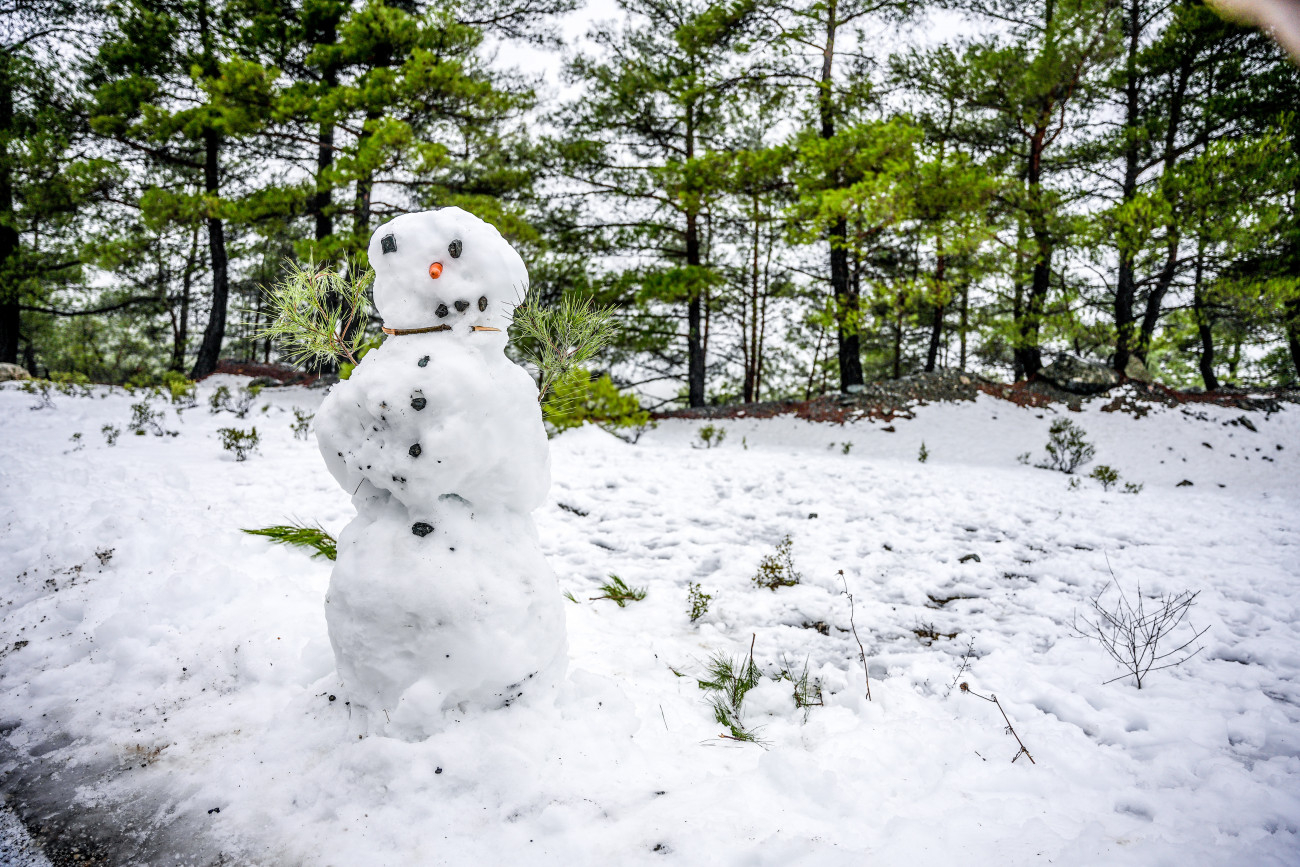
440 599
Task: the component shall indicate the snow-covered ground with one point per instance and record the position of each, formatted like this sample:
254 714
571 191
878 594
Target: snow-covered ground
168 689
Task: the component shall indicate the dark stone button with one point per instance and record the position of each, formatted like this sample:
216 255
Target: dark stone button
442 311
418 403
482 303
421 529
423 362
414 451
454 248
388 244
462 305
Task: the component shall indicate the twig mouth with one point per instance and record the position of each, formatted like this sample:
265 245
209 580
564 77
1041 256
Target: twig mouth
397 331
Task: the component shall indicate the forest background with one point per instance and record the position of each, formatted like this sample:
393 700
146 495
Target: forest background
779 199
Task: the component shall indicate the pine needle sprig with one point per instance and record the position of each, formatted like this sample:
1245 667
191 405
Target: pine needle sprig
319 311
730 681
560 338
617 591
302 536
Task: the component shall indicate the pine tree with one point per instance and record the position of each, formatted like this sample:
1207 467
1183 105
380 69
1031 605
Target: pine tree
48 180
644 142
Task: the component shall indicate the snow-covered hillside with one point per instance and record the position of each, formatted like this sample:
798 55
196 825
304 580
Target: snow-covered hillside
167 688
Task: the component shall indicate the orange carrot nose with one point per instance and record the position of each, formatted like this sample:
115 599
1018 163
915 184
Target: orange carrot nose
435 270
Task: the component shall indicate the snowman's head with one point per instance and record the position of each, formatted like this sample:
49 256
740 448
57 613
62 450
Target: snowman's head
449 268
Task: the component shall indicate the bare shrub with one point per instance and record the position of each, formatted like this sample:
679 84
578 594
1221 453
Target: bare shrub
1137 636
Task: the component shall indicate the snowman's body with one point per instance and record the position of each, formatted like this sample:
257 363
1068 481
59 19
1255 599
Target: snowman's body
440 597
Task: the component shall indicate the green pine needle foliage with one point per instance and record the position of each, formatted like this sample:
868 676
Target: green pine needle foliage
730 681
302 536
319 312
617 591
560 338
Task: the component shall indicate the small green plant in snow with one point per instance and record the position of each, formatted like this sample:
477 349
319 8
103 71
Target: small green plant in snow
697 601
110 433
777 569
924 454
301 423
1067 448
241 443
711 435
807 691
1108 477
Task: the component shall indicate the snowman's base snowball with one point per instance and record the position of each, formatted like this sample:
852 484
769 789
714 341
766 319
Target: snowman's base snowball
466 616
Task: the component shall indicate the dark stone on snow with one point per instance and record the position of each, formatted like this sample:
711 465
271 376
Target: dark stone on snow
1077 376
462 305
442 311
482 303
423 362
414 451
388 244
421 529
454 248
418 403
969 557
1185 483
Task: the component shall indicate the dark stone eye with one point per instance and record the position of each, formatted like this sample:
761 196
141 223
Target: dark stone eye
442 311
388 244
462 305
414 451
418 403
482 303
423 362
421 529
454 249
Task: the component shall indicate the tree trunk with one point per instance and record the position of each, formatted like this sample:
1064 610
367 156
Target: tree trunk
1204 327
1165 279
936 327
750 336
1029 354
846 306
694 318
1292 308
965 306
1125 282
936 330
324 200
846 300
181 333
210 348
324 187
10 316
215 332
